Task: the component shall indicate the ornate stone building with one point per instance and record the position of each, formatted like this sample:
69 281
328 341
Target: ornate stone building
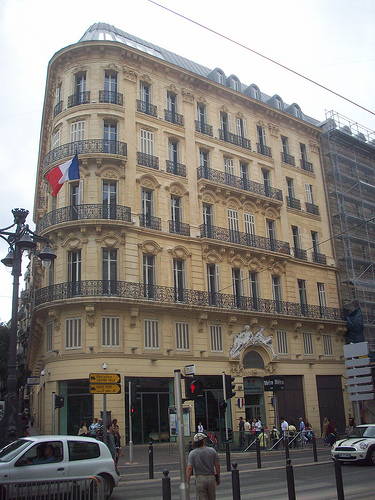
200 211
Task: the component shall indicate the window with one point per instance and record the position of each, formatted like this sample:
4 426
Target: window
254 289
77 131
233 226
109 271
208 220
172 103
271 233
237 284
297 238
49 337
241 127
249 226
51 272
179 277
261 133
201 114
204 160
315 241
303 150
235 85
147 206
290 187
327 345
110 81
213 283
276 292
109 137
228 167
220 77
245 174
110 331
285 145
79 450
279 104
151 334
225 123
73 333
145 93
266 181
216 338
174 151
302 296
109 199
76 198
58 94
282 342
307 344
149 276
74 272
182 337
256 93
322 296
309 193
147 142
176 209
56 140
80 88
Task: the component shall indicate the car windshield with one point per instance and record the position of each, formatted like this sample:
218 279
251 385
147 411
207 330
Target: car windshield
363 431
13 449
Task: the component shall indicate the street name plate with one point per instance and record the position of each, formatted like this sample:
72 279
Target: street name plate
33 380
190 370
105 388
104 378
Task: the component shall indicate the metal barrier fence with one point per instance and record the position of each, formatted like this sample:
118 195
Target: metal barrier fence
91 488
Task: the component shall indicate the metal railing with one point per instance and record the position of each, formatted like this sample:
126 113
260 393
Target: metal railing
150 221
147 160
177 227
204 172
319 258
299 253
203 128
250 240
173 117
147 108
264 150
286 158
293 202
312 209
306 165
89 146
111 97
57 109
80 98
238 140
84 212
176 168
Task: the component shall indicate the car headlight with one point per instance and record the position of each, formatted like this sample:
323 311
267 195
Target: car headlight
363 445
333 446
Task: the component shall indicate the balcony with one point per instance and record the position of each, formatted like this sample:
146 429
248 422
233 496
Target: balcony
57 109
238 182
147 160
90 146
286 158
203 128
293 203
147 108
175 168
80 98
177 227
171 295
312 209
264 150
299 253
173 117
111 97
84 212
306 165
150 222
249 240
238 140
319 258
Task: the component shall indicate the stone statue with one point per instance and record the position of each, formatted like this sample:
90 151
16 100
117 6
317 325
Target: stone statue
246 337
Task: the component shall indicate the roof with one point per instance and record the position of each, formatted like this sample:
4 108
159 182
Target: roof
108 33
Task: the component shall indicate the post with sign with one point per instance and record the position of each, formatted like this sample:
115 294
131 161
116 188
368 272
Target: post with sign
105 383
184 489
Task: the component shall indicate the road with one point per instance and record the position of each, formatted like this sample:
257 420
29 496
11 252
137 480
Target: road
312 480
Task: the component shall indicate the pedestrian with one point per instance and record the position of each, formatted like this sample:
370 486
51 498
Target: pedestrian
241 429
206 465
117 436
100 430
82 429
247 430
324 427
258 426
263 439
291 433
93 429
200 427
351 423
284 429
111 443
302 430
330 427
275 436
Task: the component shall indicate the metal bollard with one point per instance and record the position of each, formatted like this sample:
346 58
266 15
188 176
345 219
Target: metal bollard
290 480
227 453
236 490
315 452
166 485
257 445
286 444
339 483
150 461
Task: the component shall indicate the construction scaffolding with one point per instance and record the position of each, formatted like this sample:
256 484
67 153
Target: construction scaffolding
349 159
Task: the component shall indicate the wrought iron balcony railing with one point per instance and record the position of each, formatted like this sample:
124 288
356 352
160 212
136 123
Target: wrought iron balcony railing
147 108
306 165
312 209
147 160
319 258
300 254
264 150
80 98
89 146
238 182
203 128
249 240
173 117
172 295
57 109
176 168
293 203
84 212
150 221
177 227
288 159
238 140
111 97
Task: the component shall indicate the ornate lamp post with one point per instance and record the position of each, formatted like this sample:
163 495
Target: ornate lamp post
19 238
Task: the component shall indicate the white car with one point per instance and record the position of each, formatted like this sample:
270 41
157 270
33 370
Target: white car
360 445
57 457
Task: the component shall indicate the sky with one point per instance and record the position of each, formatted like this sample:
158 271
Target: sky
329 41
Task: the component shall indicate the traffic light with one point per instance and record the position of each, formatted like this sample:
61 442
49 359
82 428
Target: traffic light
230 434
193 388
59 401
223 405
134 392
229 386
132 409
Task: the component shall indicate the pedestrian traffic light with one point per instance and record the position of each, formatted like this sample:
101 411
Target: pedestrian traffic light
223 405
59 401
230 434
193 387
229 386
132 410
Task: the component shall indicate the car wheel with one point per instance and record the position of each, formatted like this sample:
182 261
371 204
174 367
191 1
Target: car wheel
370 457
108 485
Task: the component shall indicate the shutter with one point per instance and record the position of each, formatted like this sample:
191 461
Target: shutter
217 278
229 122
244 128
249 224
264 136
299 237
80 192
308 191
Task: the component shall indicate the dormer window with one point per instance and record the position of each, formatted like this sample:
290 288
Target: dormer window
220 78
278 102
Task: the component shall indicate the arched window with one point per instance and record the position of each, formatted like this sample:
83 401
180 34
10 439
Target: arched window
253 359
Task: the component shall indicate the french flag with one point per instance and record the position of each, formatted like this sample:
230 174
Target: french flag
68 171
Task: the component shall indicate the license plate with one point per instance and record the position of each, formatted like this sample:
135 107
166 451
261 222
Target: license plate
344 455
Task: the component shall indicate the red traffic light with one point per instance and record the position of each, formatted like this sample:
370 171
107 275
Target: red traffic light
193 388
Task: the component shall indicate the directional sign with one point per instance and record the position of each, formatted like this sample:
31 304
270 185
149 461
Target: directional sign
356 372
105 388
361 397
352 362
359 380
104 378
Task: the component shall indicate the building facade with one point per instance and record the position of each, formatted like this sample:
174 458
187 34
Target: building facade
198 233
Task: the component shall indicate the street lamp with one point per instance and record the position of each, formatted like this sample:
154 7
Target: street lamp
19 238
